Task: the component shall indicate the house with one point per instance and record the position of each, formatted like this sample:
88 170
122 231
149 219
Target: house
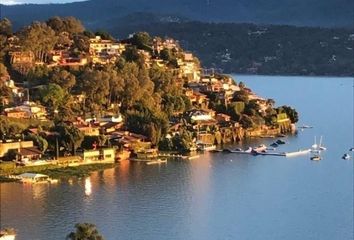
110 127
19 57
28 154
27 110
220 117
88 129
16 91
100 46
6 146
200 115
111 118
102 155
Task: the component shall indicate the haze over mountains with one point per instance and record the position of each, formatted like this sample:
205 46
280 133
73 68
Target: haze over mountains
97 13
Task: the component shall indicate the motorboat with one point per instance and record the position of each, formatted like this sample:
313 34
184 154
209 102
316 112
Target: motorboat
260 148
316 158
351 150
206 147
279 141
306 126
158 161
346 156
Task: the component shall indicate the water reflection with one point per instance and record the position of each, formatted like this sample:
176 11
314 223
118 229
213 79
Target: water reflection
88 186
218 196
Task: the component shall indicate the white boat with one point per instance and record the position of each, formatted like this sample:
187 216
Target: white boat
320 146
158 161
297 153
260 148
206 147
351 150
316 148
346 156
35 178
306 126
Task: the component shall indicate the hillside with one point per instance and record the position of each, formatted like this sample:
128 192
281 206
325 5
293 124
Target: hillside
330 13
249 48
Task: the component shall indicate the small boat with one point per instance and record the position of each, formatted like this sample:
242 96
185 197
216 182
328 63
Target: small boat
346 156
226 150
351 150
35 178
306 126
274 144
260 148
279 141
316 158
206 147
297 153
320 146
158 161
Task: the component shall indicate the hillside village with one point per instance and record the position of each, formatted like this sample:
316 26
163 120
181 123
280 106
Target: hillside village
70 96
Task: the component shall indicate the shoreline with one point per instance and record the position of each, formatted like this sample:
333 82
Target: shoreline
66 171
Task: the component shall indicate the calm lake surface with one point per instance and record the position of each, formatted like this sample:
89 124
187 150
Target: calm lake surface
218 196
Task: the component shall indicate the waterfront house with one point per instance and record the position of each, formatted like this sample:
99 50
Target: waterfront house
29 154
10 145
106 155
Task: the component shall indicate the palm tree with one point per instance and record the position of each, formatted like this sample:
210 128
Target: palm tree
85 231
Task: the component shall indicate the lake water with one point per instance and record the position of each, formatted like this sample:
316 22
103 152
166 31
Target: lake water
218 196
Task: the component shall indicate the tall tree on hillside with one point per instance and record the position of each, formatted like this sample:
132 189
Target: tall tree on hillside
5 27
39 38
95 85
66 24
63 78
52 96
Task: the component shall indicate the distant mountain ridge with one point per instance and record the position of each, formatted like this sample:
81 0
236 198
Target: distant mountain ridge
94 13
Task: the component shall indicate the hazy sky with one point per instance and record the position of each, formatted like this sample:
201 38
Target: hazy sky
10 2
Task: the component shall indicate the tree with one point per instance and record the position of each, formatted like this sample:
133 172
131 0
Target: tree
66 24
183 141
291 113
85 231
95 85
241 96
143 41
5 27
39 38
39 141
70 137
3 71
246 121
104 35
63 78
52 95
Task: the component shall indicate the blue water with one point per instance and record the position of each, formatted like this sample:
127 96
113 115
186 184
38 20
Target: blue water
218 196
